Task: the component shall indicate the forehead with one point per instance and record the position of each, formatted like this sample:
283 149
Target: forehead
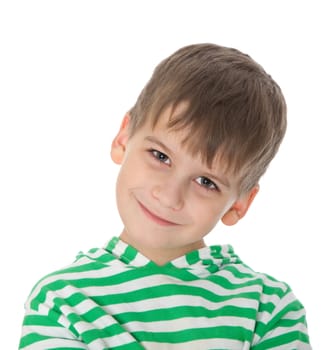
192 137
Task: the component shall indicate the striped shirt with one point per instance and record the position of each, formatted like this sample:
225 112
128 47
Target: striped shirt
115 298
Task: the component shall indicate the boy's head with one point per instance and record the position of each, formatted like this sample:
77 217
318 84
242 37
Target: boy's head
193 148
235 110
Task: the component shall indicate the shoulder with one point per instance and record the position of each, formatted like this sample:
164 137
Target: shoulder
242 275
271 292
94 264
280 316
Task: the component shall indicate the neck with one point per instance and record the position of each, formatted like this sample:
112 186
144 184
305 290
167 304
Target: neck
161 255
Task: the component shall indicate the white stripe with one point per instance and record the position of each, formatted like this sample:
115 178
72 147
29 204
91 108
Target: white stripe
284 302
265 316
189 323
160 280
267 281
51 331
284 330
294 315
100 323
213 344
244 269
297 344
233 279
116 340
56 343
92 255
173 301
270 298
149 281
139 260
256 339
119 249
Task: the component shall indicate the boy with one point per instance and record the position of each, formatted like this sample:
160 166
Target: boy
192 151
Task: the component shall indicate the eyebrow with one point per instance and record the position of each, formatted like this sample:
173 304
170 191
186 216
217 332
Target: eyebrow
159 143
223 179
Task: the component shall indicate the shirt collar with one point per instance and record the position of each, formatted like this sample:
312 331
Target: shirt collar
202 262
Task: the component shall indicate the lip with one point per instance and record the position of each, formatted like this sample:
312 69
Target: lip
155 218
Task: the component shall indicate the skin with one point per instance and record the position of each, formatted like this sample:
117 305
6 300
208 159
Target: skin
169 200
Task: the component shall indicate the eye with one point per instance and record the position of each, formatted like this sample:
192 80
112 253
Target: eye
207 183
161 157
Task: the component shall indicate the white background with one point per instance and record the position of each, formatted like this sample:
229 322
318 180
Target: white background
69 70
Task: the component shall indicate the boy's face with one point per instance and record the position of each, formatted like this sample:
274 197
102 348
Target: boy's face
169 200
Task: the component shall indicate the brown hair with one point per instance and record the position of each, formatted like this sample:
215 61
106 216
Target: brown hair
235 109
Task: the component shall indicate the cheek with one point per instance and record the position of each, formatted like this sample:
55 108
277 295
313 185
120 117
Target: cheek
123 183
213 211
131 175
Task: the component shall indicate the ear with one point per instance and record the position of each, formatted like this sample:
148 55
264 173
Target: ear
239 209
120 141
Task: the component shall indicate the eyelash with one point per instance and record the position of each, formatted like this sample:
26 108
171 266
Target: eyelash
163 158
210 186
157 155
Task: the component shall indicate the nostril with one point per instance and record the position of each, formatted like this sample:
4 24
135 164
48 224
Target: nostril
155 192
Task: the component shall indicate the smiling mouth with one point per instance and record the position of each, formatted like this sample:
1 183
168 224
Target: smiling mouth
156 218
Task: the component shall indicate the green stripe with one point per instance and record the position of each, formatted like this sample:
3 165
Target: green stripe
129 255
228 332
169 290
93 334
91 266
35 338
31 339
130 346
167 314
236 272
93 314
282 339
39 320
193 257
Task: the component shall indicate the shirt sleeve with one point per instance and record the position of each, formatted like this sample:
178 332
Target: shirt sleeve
60 316
45 329
282 326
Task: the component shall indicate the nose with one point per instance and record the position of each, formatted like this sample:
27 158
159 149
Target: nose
170 194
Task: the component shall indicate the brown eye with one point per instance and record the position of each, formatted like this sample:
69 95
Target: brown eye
161 157
206 183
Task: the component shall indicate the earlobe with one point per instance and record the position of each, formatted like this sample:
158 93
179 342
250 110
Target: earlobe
239 209
120 141
231 217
